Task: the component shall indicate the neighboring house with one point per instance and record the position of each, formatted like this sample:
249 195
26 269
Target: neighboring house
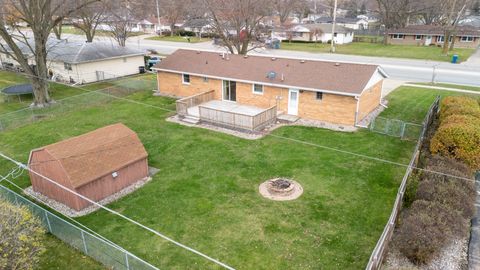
426 35
145 26
339 93
83 62
473 20
317 32
352 23
199 26
96 164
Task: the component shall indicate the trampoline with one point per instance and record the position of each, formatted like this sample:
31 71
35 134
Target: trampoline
18 90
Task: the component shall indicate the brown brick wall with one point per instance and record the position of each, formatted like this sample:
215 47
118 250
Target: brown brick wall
369 100
410 40
332 108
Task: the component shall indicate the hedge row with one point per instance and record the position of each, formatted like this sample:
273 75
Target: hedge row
441 210
458 135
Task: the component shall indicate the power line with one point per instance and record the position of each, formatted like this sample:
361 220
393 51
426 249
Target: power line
117 213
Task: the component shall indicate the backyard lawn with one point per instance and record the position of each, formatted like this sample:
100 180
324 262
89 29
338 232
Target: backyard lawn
179 39
381 50
206 193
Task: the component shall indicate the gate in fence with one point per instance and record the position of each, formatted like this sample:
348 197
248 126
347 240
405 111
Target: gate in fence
396 128
97 247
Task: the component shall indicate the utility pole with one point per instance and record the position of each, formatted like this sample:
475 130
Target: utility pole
158 18
332 48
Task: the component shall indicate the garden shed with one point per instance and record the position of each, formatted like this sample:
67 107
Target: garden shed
96 164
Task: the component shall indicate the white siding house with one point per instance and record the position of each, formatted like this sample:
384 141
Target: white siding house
81 62
317 33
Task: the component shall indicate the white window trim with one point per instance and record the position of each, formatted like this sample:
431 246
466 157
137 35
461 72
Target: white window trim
399 36
183 78
253 89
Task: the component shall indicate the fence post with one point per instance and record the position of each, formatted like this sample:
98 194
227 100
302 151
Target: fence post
84 242
126 261
402 133
48 222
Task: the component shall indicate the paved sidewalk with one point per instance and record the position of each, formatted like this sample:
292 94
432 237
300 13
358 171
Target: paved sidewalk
474 245
443 88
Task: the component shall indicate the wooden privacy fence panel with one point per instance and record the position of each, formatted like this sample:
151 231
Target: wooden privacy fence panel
238 120
378 253
191 101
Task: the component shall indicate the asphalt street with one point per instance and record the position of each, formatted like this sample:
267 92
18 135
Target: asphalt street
408 70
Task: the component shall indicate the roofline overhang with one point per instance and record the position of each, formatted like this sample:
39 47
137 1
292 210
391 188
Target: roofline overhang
259 82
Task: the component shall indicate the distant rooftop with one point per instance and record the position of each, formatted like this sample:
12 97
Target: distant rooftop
75 52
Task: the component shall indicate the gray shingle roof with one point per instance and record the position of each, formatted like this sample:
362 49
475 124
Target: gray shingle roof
79 52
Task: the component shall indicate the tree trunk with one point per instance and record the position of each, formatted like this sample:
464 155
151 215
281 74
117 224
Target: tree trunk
452 45
446 37
57 30
40 79
172 29
89 36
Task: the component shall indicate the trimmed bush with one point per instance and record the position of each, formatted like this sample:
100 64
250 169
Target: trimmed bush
459 106
458 137
451 193
425 229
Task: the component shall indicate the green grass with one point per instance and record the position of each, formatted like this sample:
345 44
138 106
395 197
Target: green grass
59 256
456 86
179 39
205 194
410 104
75 31
381 50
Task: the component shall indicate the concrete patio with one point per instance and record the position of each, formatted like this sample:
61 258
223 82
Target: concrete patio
225 106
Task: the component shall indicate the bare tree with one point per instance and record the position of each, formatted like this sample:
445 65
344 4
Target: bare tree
120 20
89 18
57 30
236 22
42 16
174 11
284 8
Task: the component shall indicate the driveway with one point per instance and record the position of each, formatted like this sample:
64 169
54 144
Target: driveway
474 60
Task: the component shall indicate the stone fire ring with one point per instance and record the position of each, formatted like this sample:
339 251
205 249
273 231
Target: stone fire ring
293 193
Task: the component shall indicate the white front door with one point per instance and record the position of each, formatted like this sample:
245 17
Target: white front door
428 40
293 101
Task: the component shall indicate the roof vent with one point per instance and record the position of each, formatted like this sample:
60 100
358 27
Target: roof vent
245 56
302 61
271 75
273 58
337 64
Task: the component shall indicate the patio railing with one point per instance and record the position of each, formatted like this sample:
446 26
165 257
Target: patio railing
238 120
191 101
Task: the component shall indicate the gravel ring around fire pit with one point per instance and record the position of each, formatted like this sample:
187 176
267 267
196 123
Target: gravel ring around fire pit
289 193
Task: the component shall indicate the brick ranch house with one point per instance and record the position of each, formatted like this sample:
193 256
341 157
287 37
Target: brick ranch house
426 35
250 91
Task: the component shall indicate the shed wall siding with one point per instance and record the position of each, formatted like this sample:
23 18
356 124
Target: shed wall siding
52 169
369 100
107 185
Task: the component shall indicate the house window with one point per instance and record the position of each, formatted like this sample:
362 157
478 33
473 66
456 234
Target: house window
418 37
67 66
205 79
335 34
186 78
257 88
398 36
441 39
467 39
319 96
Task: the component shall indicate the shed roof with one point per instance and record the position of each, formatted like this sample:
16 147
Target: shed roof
340 78
87 157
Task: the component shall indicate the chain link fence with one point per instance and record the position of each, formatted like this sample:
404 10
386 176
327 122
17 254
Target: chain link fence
396 128
100 249
109 91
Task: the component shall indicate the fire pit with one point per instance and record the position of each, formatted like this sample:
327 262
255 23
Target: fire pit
280 189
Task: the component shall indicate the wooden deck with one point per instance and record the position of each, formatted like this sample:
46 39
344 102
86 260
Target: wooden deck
226 113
